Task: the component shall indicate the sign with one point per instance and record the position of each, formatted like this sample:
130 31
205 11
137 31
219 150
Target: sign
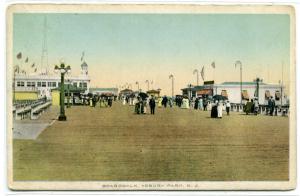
209 82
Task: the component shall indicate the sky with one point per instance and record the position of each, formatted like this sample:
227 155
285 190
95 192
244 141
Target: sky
126 48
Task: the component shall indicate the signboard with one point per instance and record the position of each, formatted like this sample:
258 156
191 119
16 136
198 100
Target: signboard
209 82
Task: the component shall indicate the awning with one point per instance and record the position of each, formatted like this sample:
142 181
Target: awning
267 94
204 92
245 95
224 93
277 95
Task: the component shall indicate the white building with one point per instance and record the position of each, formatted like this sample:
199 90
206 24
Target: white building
232 90
43 83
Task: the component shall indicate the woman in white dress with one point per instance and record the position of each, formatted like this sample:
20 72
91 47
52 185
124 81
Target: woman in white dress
124 100
220 109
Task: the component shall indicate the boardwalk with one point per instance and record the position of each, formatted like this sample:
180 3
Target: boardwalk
175 144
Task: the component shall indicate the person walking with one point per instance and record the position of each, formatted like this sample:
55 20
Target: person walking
152 104
196 103
272 105
256 106
220 109
227 107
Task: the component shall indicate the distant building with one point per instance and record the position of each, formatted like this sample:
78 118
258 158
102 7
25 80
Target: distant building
155 93
44 83
232 91
125 92
99 91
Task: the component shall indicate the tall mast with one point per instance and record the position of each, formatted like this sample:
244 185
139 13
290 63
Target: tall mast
44 56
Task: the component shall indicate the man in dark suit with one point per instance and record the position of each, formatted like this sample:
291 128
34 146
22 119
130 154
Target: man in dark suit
152 104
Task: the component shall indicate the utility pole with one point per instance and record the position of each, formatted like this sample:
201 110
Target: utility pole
239 63
147 81
196 71
172 77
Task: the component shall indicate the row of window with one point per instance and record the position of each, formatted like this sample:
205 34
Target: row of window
245 95
47 84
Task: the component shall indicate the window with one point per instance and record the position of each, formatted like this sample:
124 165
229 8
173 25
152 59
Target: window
83 85
75 84
43 84
39 84
30 84
20 83
59 84
51 84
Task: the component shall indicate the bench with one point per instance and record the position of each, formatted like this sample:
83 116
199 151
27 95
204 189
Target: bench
23 113
37 111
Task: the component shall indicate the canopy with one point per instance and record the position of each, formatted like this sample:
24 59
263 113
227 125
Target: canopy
245 95
267 94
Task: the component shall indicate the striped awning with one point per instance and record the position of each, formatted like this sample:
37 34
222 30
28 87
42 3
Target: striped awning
267 94
277 95
245 95
224 93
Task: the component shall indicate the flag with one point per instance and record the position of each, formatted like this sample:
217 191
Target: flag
26 61
171 76
202 73
195 71
17 69
35 69
82 56
213 65
19 55
33 65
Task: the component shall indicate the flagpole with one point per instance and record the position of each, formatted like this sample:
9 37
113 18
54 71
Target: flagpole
239 63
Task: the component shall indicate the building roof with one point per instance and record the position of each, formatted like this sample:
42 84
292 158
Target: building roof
103 89
126 90
243 83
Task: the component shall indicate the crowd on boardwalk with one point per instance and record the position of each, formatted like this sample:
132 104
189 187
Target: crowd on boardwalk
216 106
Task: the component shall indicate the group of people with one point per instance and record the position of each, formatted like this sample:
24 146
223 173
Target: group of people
141 105
271 106
104 101
218 107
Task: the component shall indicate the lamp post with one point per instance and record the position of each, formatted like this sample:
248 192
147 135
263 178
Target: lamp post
172 77
138 85
239 63
68 90
190 93
147 81
196 71
257 81
62 69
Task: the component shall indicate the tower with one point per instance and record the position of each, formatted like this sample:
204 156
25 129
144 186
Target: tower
84 69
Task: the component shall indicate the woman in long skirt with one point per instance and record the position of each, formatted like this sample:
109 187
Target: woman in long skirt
220 109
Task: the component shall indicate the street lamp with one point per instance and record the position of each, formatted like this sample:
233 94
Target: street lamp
138 85
172 77
62 69
196 71
257 81
68 90
147 81
239 63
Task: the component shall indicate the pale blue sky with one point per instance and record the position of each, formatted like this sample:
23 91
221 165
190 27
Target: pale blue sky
124 48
